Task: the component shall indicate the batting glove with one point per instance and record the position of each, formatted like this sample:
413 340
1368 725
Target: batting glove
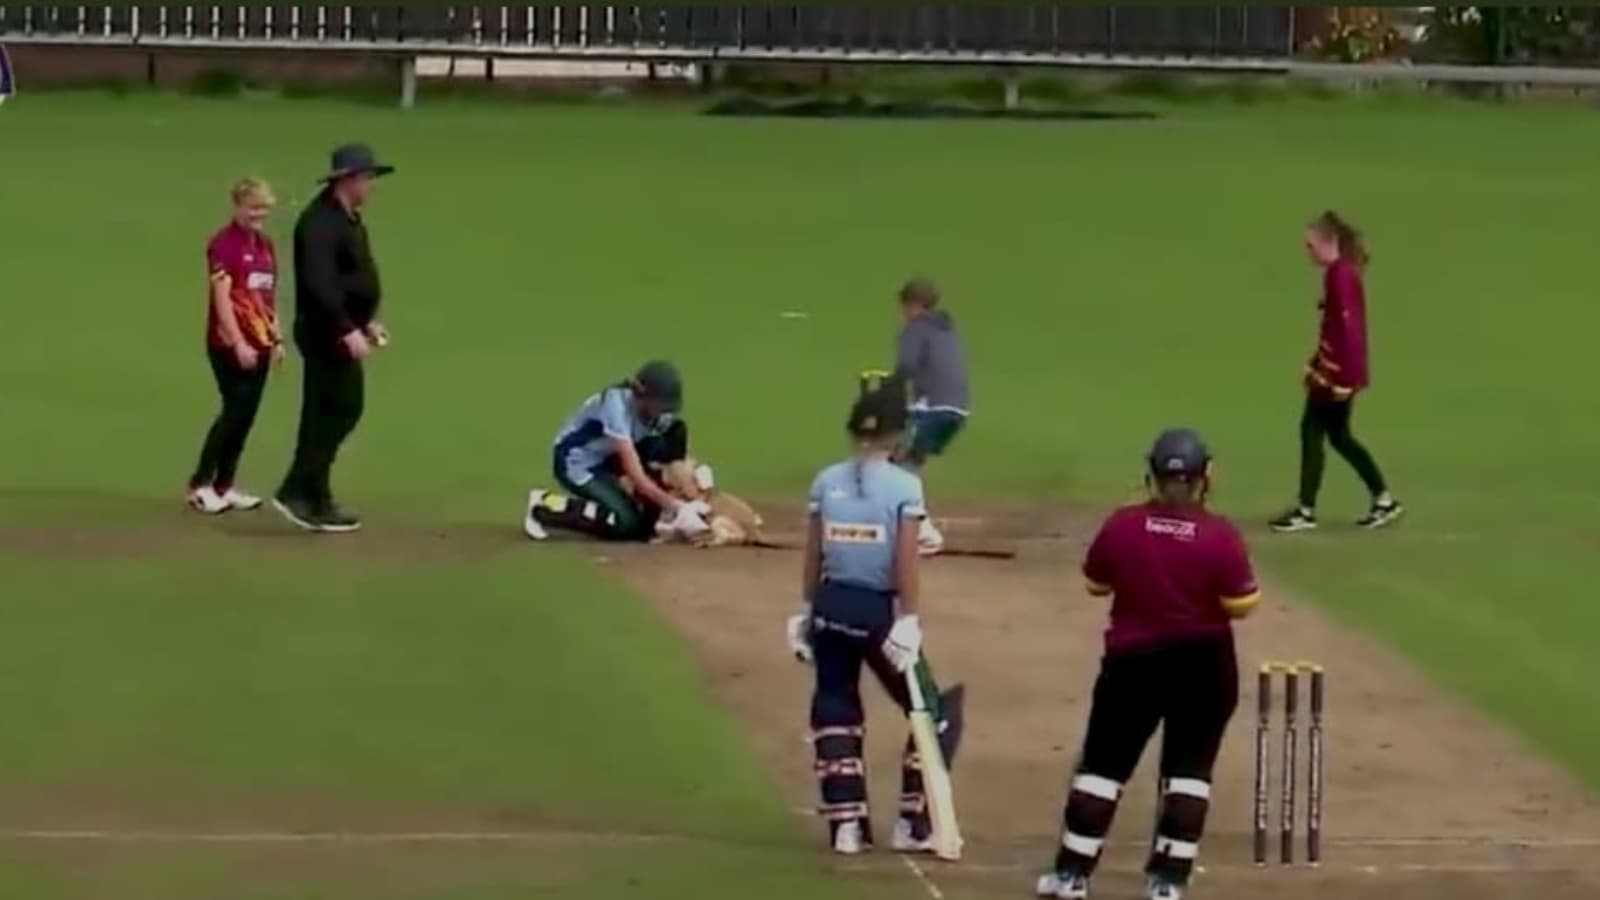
904 644
691 520
799 632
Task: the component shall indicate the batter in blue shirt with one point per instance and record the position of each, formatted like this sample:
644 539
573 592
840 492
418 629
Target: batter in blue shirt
862 591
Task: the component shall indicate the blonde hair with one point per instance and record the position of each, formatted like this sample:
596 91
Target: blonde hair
246 189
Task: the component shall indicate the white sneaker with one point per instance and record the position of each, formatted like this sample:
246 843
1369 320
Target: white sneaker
1062 887
848 839
204 499
929 541
904 841
530 525
239 500
1156 889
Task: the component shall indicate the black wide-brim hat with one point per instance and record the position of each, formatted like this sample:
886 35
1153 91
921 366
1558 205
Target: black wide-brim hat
355 159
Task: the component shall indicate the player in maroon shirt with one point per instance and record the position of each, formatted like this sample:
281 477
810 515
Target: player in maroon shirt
1336 374
1177 577
242 342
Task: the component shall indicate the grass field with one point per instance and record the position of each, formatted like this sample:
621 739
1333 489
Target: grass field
159 673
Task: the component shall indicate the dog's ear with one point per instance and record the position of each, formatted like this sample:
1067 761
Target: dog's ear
679 479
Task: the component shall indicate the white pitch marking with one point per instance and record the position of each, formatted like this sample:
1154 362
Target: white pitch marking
791 314
927 883
1253 870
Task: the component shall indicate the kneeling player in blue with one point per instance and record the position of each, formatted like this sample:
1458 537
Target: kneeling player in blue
1177 576
602 459
862 594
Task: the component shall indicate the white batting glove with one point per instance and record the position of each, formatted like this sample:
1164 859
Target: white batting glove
904 643
690 520
799 633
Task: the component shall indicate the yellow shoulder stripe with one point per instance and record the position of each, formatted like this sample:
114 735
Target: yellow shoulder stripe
1239 606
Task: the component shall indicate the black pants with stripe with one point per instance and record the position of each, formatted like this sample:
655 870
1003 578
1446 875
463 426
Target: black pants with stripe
1190 689
848 631
1326 420
241 391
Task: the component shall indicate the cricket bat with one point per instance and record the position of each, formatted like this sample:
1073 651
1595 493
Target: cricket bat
935 773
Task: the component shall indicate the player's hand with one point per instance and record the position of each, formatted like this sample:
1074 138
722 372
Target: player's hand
356 344
904 644
247 356
799 633
378 334
277 353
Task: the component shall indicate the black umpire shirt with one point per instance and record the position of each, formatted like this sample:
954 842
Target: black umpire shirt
336 280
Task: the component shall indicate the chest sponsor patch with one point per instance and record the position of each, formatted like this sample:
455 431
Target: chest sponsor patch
260 281
848 533
1172 528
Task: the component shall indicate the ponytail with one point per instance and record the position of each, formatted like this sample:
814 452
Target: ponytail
1352 248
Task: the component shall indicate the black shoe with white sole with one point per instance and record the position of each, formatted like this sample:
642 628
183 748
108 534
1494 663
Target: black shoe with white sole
1296 519
301 513
334 520
1381 515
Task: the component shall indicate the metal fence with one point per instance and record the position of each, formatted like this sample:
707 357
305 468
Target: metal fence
875 30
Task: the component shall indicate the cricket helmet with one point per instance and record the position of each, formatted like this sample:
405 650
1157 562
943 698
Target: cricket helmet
1179 453
881 411
659 380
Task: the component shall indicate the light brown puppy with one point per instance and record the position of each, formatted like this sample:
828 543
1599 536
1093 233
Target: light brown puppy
733 522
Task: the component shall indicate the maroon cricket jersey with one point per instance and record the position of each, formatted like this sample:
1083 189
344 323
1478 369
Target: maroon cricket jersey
1341 357
247 262
1173 575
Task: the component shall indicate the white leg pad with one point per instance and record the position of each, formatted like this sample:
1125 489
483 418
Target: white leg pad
1096 786
1189 787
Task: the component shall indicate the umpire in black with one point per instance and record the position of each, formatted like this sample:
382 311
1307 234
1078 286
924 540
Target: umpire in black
337 294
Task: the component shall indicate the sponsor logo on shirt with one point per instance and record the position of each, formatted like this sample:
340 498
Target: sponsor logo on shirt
260 281
1173 528
847 533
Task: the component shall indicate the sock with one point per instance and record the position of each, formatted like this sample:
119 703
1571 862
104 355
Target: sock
1384 499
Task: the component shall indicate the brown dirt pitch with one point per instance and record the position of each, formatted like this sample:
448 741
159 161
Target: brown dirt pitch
1425 800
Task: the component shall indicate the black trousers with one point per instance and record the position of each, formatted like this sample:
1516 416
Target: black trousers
1326 420
241 391
333 396
1190 689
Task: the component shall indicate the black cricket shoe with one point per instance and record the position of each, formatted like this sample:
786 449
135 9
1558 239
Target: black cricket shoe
1382 515
1295 520
301 513
334 520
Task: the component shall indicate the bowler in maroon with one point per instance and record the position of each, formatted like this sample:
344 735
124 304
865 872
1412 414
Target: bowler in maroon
1177 577
1337 373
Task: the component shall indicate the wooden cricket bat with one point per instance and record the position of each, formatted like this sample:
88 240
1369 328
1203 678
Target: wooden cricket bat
936 782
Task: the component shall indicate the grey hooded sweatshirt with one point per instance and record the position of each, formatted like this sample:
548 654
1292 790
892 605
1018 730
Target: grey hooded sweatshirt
929 355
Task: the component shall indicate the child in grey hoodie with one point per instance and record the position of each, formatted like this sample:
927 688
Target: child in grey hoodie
930 357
